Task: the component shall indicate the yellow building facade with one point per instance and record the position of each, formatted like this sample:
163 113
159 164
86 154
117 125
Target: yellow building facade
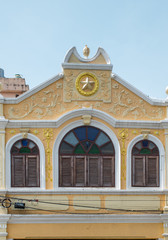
84 155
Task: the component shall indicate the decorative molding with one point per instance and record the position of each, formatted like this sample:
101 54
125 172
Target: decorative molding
90 81
86 191
155 102
38 109
12 131
72 94
128 105
102 67
24 132
35 131
87 111
4 218
145 133
151 101
48 134
86 119
86 218
123 135
3 123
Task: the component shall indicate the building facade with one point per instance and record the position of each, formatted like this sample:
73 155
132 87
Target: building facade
12 87
84 155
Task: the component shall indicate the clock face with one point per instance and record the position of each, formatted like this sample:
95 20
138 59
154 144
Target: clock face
87 84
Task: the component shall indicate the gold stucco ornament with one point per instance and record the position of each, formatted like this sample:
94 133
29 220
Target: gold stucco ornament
86 51
87 84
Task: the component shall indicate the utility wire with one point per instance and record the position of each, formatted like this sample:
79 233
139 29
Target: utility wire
76 205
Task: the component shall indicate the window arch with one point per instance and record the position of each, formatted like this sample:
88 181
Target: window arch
86 159
145 164
25 164
8 166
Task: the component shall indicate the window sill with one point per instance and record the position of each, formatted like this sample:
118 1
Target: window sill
92 191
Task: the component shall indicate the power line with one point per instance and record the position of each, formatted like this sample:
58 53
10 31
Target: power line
76 205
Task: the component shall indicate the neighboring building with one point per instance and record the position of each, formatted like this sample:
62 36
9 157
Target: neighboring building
84 156
12 87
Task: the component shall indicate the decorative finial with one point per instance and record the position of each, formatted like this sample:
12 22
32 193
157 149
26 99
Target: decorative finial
86 51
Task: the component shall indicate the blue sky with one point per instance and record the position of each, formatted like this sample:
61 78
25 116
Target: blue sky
36 34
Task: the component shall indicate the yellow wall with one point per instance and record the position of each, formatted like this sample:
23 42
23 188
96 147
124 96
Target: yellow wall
85 230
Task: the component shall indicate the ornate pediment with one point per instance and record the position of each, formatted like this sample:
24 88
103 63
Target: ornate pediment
85 83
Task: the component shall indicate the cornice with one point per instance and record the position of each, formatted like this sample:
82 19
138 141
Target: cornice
87 218
103 67
85 191
155 102
93 112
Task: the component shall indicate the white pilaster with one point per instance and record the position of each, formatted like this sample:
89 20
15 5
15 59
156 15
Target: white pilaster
166 157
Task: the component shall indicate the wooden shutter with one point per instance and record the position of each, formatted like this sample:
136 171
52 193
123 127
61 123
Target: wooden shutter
152 171
66 171
32 171
79 171
138 174
18 171
108 171
94 171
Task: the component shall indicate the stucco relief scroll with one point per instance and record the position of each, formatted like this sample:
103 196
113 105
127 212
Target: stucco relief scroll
39 105
125 104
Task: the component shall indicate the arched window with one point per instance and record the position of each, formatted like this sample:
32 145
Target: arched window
86 159
145 164
25 164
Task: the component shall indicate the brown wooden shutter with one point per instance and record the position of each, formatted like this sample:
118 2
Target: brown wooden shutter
18 171
138 175
79 171
32 171
152 171
108 171
94 171
66 171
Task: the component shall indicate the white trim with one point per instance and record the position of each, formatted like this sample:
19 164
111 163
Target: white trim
56 156
86 218
151 101
3 234
161 165
95 113
87 67
3 123
75 52
8 161
4 218
78 191
155 102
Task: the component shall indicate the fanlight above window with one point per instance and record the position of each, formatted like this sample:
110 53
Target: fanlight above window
25 164
145 164
86 156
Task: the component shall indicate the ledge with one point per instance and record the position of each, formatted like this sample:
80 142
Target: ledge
87 218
